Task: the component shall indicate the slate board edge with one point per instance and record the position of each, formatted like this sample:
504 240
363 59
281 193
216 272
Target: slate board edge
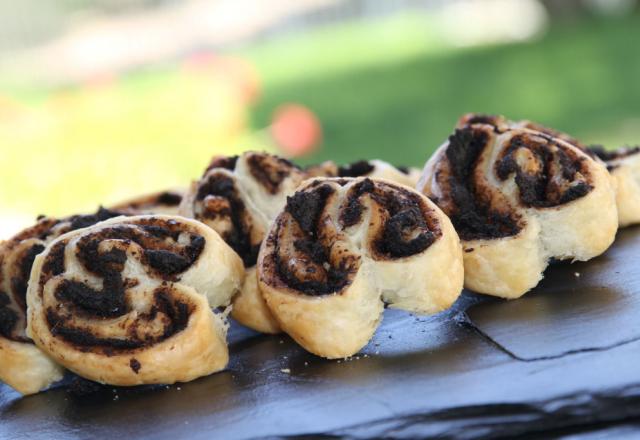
553 418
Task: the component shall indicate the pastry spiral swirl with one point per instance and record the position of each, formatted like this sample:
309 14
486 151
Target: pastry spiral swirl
343 248
624 166
517 198
239 197
501 123
623 163
128 301
22 365
374 169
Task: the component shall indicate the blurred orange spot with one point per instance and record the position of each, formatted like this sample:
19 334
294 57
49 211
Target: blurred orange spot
296 129
199 61
9 108
100 80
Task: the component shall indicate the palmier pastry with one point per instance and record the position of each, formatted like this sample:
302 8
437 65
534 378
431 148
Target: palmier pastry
343 248
518 198
623 163
239 197
374 169
165 202
128 301
22 365
501 123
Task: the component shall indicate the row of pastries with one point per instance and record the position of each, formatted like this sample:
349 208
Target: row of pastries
139 293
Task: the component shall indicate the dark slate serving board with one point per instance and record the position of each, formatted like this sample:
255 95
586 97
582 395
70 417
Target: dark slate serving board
562 362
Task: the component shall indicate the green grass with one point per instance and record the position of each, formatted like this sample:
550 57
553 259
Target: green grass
399 103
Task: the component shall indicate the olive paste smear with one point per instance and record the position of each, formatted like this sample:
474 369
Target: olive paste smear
239 235
44 231
162 253
408 229
541 189
321 276
472 215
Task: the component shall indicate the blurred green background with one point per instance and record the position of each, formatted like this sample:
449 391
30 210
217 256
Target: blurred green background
383 82
581 77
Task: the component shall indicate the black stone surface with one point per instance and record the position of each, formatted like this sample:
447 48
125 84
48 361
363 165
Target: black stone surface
579 307
559 363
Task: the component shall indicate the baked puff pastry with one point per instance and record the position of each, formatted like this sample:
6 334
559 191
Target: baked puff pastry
22 365
502 123
239 197
165 202
374 169
342 248
518 198
128 301
624 166
623 163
